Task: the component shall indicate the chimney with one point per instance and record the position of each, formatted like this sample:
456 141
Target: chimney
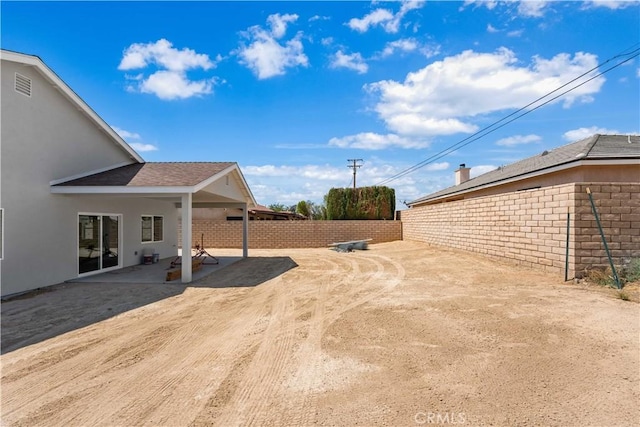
462 174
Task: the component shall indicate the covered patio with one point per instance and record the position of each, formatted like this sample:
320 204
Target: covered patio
187 185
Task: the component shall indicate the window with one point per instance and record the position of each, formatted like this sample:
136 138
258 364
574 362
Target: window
152 228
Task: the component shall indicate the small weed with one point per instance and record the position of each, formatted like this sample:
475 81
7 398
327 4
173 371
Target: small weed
631 271
623 296
601 277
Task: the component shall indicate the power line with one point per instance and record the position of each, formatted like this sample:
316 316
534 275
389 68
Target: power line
488 129
355 167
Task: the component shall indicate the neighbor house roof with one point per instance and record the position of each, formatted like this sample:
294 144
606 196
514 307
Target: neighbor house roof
67 92
263 212
595 148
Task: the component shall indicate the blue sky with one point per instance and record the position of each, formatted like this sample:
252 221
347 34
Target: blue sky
291 90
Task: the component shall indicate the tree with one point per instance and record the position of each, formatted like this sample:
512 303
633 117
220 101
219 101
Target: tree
360 203
303 208
278 207
310 209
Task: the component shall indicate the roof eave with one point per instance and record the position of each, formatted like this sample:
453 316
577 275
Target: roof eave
533 174
121 190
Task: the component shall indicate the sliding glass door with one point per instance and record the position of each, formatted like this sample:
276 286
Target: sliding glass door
98 242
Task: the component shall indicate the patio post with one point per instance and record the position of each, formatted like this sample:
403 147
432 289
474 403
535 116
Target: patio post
186 237
245 231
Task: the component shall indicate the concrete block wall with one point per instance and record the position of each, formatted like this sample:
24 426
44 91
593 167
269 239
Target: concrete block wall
530 227
527 227
618 207
292 234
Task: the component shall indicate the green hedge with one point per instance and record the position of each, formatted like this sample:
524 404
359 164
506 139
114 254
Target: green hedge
361 203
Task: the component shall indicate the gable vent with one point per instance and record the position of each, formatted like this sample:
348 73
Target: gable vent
23 85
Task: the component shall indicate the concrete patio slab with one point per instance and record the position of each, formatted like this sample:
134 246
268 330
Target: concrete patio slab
155 273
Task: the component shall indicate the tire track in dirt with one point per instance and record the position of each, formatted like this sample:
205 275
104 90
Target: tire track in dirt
255 393
193 374
245 321
306 379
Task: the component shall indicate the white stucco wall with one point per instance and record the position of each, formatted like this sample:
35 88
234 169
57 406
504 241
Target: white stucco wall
45 138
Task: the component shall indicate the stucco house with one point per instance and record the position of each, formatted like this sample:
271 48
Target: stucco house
528 211
76 199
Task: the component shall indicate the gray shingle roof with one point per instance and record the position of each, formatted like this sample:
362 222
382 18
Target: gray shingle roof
596 147
154 174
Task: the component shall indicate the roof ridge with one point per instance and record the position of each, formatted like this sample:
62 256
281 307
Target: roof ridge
595 138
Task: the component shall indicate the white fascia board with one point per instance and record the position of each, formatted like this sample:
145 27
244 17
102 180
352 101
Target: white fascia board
85 174
59 84
251 201
234 167
166 191
203 184
535 174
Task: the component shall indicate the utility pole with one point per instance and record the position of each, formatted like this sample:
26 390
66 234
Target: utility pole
355 167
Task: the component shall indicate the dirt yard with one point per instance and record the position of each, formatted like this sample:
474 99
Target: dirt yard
400 335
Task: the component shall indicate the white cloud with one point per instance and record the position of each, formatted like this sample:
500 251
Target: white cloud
142 147
409 45
321 172
532 8
404 45
481 169
278 23
170 81
515 33
525 8
174 85
375 141
489 4
518 140
265 55
610 4
437 166
138 146
374 18
319 18
492 29
443 97
582 133
124 134
389 21
352 61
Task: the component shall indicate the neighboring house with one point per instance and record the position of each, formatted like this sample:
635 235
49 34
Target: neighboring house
263 213
76 199
259 213
520 211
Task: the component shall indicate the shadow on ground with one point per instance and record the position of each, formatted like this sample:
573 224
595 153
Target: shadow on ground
47 313
247 272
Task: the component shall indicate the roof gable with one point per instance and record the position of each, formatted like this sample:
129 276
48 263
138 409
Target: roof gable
53 79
